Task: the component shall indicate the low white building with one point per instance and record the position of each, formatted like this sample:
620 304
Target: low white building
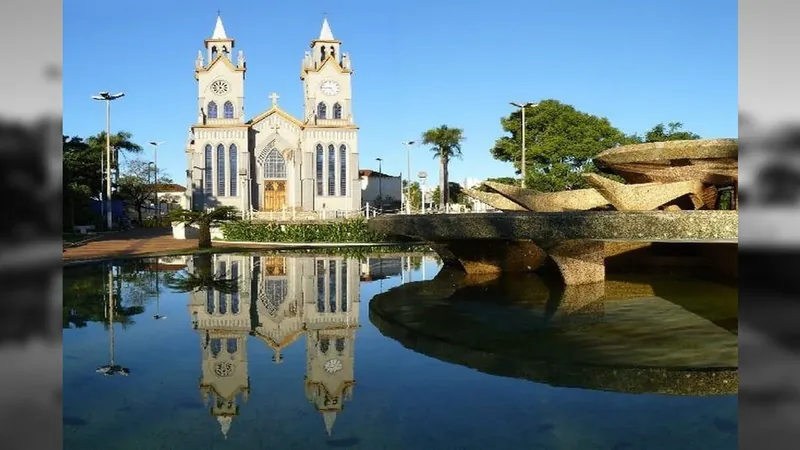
476 205
375 185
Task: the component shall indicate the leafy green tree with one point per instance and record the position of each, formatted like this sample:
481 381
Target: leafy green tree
671 132
81 180
445 143
560 144
456 192
205 220
415 194
137 185
85 296
505 180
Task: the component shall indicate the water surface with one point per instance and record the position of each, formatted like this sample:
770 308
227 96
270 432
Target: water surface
189 359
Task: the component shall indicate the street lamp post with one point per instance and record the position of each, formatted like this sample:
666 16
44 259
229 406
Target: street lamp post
155 175
523 107
112 368
106 97
380 182
422 176
151 178
408 145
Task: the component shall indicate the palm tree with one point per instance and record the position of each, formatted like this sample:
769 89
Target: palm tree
205 220
201 278
445 144
119 141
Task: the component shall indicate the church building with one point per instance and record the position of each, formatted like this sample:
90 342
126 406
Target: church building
274 161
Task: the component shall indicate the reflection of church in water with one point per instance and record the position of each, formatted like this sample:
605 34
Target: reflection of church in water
279 299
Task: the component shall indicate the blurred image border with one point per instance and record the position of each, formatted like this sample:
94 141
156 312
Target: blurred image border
769 253
30 263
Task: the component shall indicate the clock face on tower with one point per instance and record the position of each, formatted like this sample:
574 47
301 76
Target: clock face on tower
220 87
329 87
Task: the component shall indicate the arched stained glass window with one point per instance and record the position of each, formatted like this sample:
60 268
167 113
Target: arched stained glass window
320 160
216 347
233 345
221 170
342 169
320 286
210 305
233 167
274 165
343 288
212 110
235 293
331 170
332 282
228 110
208 182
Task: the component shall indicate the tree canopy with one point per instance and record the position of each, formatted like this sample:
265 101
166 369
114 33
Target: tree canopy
561 142
83 179
445 143
137 185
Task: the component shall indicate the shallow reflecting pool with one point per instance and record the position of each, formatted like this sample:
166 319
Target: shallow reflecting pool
259 351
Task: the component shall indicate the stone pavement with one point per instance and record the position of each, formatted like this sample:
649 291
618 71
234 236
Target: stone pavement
136 242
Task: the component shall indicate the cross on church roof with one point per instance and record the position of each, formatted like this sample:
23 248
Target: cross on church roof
276 127
274 97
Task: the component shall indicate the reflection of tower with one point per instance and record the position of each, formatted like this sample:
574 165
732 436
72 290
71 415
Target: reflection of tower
331 321
222 320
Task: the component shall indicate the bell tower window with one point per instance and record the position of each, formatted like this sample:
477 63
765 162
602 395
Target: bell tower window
212 110
213 53
337 111
228 110
322 111
322 54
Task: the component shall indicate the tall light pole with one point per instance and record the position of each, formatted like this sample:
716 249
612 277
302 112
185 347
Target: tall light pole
112 368
523 107
106 97
422 176
408 145
380 182
155 168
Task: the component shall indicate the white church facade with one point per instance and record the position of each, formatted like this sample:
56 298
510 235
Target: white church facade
274 161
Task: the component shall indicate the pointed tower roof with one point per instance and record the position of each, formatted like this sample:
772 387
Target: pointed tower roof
225 424
219 30
330 418
326 34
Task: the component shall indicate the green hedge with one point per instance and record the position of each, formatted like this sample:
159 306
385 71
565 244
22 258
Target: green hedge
348 231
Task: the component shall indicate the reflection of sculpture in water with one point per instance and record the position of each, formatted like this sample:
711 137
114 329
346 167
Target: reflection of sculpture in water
662 335
277 300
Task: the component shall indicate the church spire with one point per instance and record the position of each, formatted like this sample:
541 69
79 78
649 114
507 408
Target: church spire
326 34
330 418
219 29
225 424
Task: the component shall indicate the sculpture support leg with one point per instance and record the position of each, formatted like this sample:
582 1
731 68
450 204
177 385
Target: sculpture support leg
580 262
491 256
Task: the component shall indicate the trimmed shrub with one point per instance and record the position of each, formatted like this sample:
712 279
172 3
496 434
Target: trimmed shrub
346 231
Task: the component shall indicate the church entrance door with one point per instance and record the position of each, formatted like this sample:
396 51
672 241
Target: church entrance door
274 195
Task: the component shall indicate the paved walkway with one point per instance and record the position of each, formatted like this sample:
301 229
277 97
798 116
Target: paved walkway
136 242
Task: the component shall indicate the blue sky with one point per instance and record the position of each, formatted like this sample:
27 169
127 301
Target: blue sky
418 64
